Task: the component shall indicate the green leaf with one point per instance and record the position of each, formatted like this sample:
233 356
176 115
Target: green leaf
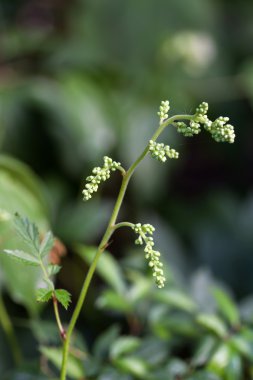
108 268
226 306
213 323
53 269
20 191
226 363
134 366
104 341
74 366
124 345
176 298
241 345
24 257
113 301
46 244
219 360
64 297
28 231
44 295
204 351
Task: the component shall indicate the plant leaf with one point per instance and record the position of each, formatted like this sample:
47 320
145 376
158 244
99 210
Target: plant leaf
124 345
43 295
213 323
54 355
226 306
28 231
176 298
111 300
64 297
53 269
22 256
133 365
46 244
108 268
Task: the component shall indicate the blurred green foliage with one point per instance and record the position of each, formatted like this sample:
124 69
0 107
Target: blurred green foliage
83 79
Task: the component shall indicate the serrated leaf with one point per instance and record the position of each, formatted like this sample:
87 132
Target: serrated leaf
64 297
53 269
46 244
28 231
226 306
74 366
213 323
124 345
24 257
43 295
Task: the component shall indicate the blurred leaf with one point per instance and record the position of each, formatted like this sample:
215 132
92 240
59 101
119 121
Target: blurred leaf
21 375
124 345
213 323
110 373
44 295
176 368
153 350
220 360
240 344
176 298
204 351
133 365
234 370
46 244
226 306
110 300
64 297
54 355
45 331
108 268
24 257
20 191
103 343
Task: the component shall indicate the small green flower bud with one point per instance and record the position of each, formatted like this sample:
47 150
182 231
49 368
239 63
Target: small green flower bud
164 109
159 151
151 255
100 175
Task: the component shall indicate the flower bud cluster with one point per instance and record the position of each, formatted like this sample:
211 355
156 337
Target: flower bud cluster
100 174
152 256
188 130
220 131
160 152
164 109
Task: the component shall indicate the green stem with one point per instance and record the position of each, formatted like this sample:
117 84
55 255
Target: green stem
104 242
9 331
123 224
55 302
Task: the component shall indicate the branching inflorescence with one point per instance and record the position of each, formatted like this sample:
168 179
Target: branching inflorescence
219 129
188 125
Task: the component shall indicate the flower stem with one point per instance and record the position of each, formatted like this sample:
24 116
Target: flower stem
104 242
